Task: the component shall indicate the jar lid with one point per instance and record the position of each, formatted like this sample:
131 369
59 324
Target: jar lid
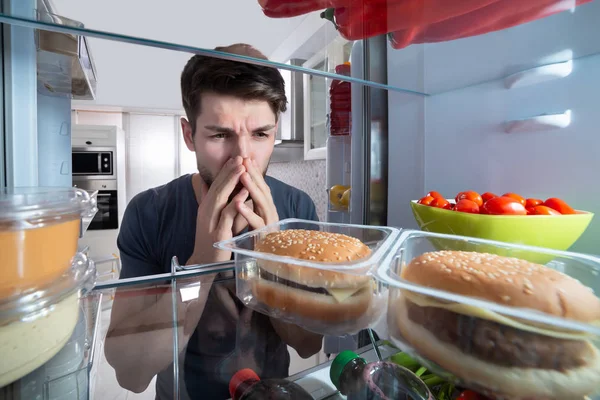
32 204
338 364
37 302
239 378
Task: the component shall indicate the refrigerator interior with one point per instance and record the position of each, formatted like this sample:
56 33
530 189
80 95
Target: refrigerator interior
455 138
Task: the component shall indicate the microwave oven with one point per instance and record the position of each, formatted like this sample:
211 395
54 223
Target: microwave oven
94 162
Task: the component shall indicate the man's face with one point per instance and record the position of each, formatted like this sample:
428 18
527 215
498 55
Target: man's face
227 127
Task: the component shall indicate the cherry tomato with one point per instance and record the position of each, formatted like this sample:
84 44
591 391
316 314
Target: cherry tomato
470 195
449 206
425 200
435 195
516 197
559 205
487 195
530 210
533 202
470 395
504 206
468 206
544 210
439 202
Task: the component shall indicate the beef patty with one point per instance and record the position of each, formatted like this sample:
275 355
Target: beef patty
274 278
499 344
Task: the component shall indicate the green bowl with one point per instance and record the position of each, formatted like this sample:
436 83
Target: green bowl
557 232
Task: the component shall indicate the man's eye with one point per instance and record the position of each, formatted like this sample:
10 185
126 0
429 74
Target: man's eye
262 134
219 136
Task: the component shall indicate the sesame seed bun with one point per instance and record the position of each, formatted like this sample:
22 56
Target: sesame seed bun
314 306
320 300
314 246
488 352
505 280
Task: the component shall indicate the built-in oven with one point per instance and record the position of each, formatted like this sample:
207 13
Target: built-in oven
94 162
107 216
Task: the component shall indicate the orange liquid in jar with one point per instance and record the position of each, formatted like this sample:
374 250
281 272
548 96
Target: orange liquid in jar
34 257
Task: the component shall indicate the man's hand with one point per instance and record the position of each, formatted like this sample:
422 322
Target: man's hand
216 219
265 212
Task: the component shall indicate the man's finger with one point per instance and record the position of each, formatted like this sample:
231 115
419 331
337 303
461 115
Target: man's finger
230 212
258 196
218 196
223 174
239 223
255 221
256 175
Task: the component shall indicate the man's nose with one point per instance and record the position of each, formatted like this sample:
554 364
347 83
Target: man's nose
242 147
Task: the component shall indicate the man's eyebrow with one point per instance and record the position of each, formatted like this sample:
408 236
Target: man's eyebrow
264 128
221 129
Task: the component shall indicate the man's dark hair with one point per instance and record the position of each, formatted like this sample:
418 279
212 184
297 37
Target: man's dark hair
204 74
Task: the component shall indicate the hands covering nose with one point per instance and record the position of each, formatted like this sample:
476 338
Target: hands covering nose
264 212
219 219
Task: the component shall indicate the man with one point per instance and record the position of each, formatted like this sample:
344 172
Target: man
232 114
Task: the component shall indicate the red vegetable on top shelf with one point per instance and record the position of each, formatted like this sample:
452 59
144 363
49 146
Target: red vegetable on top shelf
499 15
294 8
420 21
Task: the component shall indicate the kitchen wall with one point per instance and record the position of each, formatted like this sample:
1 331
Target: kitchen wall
308 176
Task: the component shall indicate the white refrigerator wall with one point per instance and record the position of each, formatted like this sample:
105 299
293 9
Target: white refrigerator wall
456 141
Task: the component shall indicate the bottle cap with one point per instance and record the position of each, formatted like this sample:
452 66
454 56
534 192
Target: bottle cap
338 364
240 377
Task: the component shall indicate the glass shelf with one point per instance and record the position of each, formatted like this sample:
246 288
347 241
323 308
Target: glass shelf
433 63
123 38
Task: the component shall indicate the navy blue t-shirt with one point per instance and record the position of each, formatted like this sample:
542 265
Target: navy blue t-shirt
160 223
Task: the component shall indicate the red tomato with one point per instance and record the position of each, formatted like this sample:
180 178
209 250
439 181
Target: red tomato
468 206
533 202
516 197
435 195
449 206
529 210
470 395
559 205
543 210
470 195
425 200
487 195
504 206
439 202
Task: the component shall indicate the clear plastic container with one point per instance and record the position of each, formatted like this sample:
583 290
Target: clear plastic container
330 298
39 230
493 347
34 327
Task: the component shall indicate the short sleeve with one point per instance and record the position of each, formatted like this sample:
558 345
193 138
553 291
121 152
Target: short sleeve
137 238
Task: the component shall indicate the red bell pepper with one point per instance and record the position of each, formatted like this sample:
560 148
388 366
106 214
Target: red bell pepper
498 16
362 19
294 8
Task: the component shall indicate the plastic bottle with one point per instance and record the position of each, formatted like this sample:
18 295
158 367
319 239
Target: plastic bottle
340 103
246 385
381 380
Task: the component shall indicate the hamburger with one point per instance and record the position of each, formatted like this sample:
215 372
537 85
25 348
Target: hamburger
507 357
311 293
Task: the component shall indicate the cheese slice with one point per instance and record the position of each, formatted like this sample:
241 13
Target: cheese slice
478 312
341 295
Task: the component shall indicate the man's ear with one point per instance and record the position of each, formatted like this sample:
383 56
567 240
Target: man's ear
188 134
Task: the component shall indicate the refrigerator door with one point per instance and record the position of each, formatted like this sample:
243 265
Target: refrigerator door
508 111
